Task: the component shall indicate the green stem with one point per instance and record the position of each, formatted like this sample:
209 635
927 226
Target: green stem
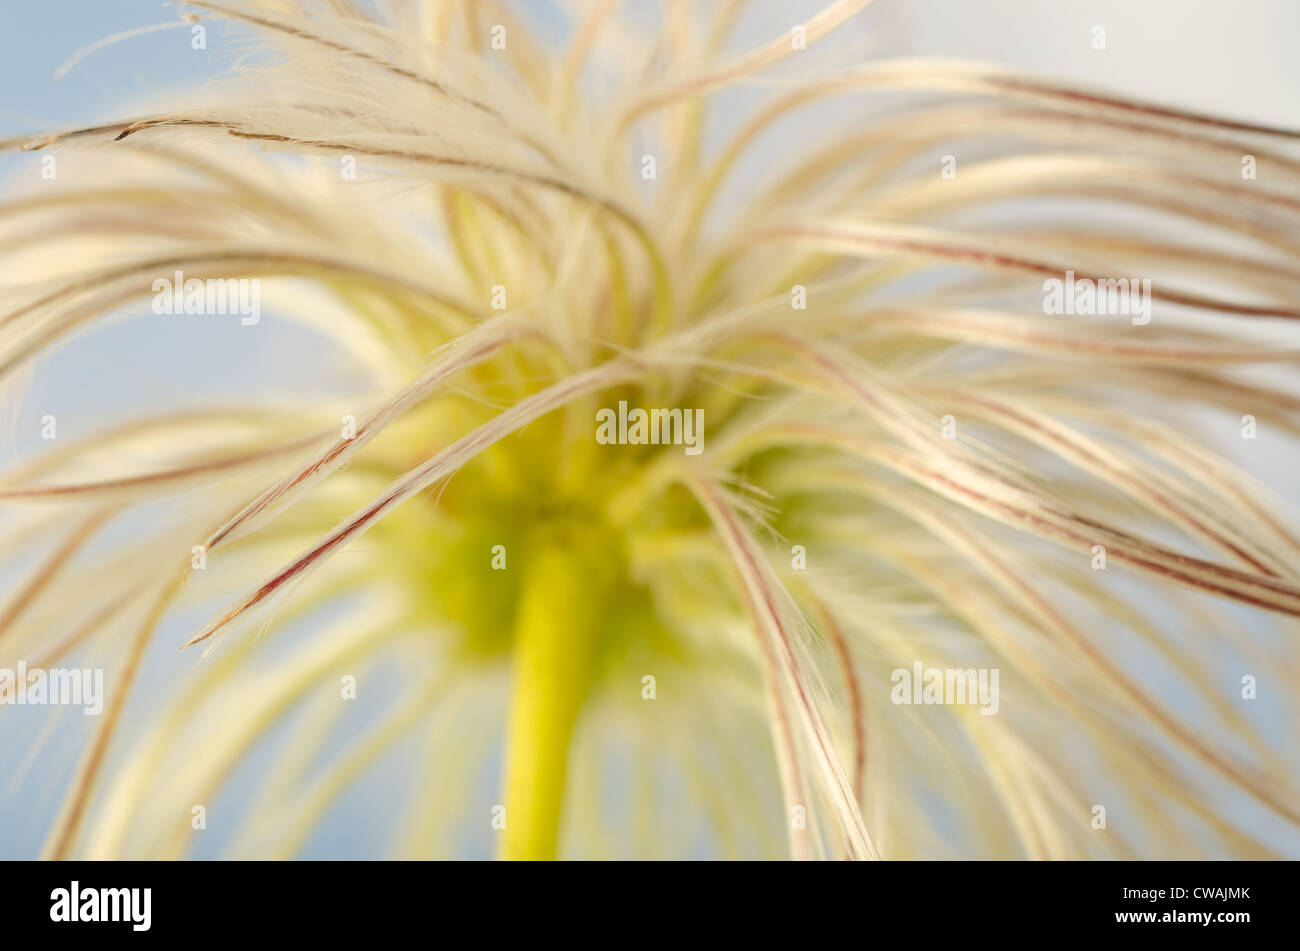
556 632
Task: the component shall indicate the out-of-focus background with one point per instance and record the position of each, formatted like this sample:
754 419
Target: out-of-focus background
1235 57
